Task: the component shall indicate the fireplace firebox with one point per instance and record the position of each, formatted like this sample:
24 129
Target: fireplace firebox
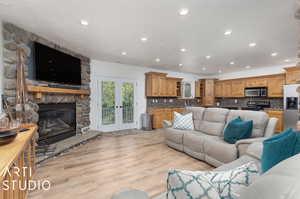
56 122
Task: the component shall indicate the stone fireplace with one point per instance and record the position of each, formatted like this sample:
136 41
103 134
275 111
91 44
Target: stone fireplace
59 115
56 122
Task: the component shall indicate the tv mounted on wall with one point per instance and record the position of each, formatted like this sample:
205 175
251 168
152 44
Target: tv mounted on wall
51 65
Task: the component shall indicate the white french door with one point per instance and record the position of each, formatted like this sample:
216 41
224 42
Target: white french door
116 104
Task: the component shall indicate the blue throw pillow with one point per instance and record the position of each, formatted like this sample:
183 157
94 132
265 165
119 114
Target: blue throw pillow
277 149
238 129
297 145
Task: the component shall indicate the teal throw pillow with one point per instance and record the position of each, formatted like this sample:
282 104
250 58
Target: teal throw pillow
297 145
278 148
238 129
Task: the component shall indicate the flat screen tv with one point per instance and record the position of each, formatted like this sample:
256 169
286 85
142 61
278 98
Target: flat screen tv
52 65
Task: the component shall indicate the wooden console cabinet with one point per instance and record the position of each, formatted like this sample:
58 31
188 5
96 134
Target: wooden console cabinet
19 154
161 114
279 115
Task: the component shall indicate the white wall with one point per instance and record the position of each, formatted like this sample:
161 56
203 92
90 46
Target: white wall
255 72
108 69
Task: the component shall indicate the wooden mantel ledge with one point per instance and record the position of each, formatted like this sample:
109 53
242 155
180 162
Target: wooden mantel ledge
40 90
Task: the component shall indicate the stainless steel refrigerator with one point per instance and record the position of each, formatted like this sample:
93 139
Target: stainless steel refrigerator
291 106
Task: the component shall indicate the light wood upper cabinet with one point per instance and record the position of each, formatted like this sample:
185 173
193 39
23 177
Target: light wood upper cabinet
227 87
256 82
219 88
162 86
238 88
172 84
159 85
275 85
205 88
292 75
197 88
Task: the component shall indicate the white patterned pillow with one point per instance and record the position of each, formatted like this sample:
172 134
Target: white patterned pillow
210 184
189 185
230 183
183 122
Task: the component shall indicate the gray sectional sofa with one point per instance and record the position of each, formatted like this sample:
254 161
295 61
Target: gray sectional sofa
206 141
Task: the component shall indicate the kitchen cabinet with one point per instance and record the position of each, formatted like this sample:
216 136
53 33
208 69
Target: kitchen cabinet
218 88
171 87
161 114
198 88
227 88
292 75
238 88
256 82
275 85
279 115
159 85
205 88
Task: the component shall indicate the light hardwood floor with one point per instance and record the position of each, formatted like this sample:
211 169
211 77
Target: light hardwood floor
111 164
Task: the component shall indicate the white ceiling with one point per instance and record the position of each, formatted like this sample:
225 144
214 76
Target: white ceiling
117 25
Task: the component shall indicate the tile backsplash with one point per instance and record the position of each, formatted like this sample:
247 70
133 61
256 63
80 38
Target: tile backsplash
275 103
171 102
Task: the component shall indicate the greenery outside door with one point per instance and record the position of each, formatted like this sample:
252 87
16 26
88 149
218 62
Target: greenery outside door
117 108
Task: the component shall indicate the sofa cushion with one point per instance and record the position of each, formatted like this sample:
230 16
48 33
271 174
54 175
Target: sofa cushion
198 113
188 185
237 129
260 120
213 122
219 150
183 122
174 135
277 149
193 144
282 181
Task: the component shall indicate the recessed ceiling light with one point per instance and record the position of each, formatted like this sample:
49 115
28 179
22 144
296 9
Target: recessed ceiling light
228 32
274 54
180 65
84 22
248 67
183 50
287 60
124 53
252 44
208 57
183 11
204 68
220 71
232 63
144 39
157 60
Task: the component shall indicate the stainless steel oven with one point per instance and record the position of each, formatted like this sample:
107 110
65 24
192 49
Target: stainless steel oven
256 92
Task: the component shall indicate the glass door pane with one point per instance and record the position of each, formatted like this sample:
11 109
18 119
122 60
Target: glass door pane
128 102
108 89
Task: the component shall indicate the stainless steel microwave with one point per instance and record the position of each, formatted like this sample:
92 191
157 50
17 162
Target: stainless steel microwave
256 92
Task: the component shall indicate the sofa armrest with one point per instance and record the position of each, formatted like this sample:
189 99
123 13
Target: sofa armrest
242 145
271 127
167 124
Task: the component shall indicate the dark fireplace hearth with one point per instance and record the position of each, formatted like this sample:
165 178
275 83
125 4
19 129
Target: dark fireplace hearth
56 122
